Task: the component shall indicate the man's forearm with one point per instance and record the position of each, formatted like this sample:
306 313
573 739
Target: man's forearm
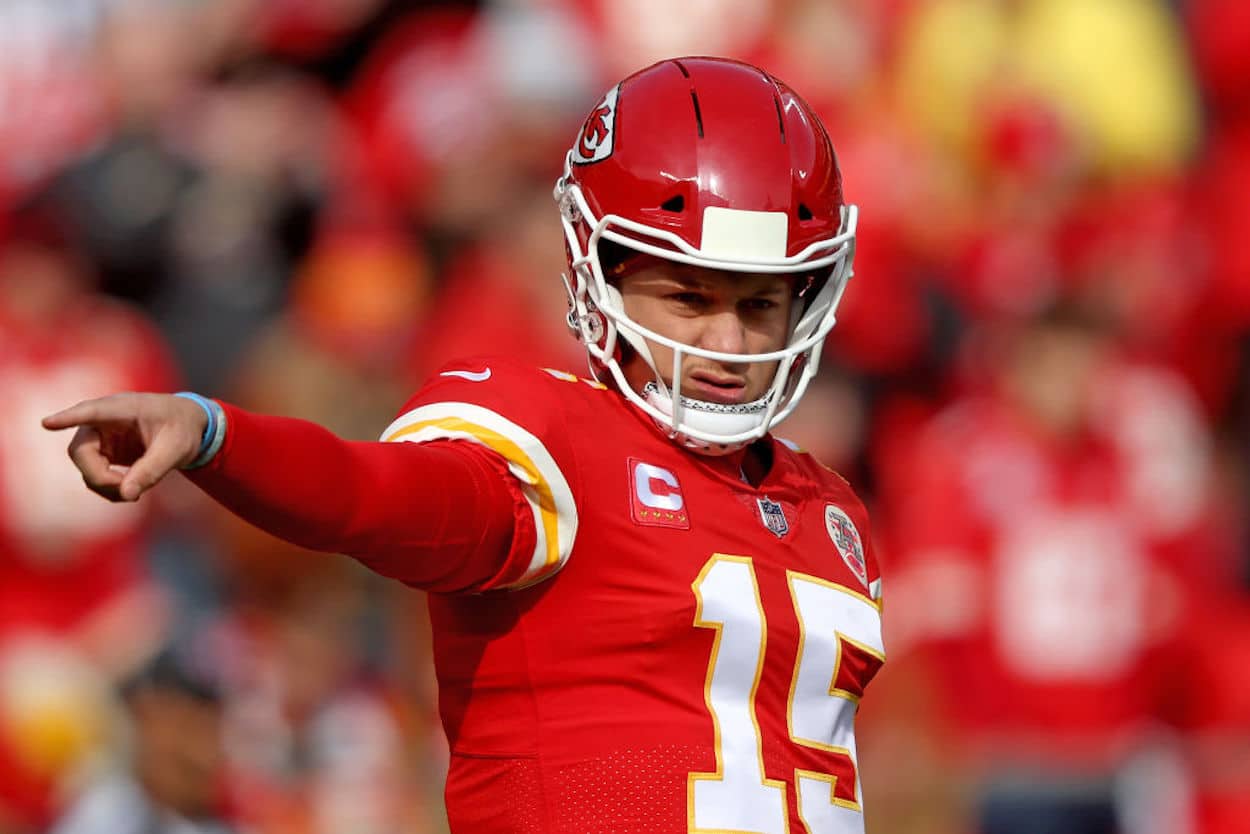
435 515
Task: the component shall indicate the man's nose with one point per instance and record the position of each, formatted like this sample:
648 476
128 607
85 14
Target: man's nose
723 331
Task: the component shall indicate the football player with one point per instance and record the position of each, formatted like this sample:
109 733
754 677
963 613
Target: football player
649 614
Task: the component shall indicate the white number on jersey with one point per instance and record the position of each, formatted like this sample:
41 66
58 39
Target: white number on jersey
738 796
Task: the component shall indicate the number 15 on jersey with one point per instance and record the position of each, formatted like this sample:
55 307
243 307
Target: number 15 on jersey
738 796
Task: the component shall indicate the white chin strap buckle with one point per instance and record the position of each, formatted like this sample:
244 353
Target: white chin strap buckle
702 422
653 393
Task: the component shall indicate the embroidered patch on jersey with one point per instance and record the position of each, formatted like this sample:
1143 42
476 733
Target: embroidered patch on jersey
598 134
773 516
655 496
846 539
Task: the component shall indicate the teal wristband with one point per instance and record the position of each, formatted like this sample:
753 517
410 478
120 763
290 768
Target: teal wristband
214 431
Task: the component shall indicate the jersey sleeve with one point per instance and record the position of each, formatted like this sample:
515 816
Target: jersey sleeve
875 591
859 516
862 539
517 414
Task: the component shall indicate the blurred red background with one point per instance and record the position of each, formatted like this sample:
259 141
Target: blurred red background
1040 380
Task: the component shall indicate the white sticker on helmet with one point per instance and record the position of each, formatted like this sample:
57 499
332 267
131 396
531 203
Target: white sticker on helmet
730 234
595 140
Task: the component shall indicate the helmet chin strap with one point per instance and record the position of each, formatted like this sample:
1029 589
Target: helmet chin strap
710 417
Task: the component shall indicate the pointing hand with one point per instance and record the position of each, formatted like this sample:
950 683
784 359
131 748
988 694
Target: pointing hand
126 443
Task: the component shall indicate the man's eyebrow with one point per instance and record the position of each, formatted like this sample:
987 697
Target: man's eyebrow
768 283
686 280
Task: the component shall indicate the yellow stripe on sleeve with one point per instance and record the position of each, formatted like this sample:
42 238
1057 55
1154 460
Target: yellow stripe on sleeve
543 484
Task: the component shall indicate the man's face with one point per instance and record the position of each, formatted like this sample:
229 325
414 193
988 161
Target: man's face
179 753
729 312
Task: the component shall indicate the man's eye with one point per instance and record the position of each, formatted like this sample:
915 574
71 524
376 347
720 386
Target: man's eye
760 304
690 299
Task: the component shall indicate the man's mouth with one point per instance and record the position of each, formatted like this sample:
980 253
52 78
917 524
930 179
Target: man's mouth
715 389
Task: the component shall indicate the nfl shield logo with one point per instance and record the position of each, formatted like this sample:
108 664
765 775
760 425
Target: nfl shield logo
773 516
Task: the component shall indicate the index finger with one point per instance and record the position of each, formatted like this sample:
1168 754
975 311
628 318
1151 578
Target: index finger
100 410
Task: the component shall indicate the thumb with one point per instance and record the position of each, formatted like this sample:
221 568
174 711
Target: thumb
163 454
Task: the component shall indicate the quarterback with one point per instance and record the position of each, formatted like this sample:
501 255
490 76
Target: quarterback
649 614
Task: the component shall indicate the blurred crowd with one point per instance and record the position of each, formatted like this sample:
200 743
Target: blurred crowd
1040 381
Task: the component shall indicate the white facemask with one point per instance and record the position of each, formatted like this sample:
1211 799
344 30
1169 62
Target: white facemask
597 315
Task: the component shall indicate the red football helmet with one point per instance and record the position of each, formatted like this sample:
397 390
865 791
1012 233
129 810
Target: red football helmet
714 163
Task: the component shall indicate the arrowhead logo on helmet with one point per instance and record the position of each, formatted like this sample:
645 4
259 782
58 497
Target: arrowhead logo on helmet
594 142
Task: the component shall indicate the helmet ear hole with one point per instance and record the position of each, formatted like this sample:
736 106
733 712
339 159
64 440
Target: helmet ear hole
804 212
675 204
612 256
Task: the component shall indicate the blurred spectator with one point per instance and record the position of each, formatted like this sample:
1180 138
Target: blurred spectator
315 745
320 739
73 568
198 202
910 783
57 725
1215 704
635 33
309 29
52 107
829 423
1053 529
338 350
173 782
65 558
1139 252
833 50
458 110
264 144
1079 56
504 293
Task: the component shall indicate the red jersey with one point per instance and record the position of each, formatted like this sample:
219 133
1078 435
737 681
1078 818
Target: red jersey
681 651
64 553
1047 579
